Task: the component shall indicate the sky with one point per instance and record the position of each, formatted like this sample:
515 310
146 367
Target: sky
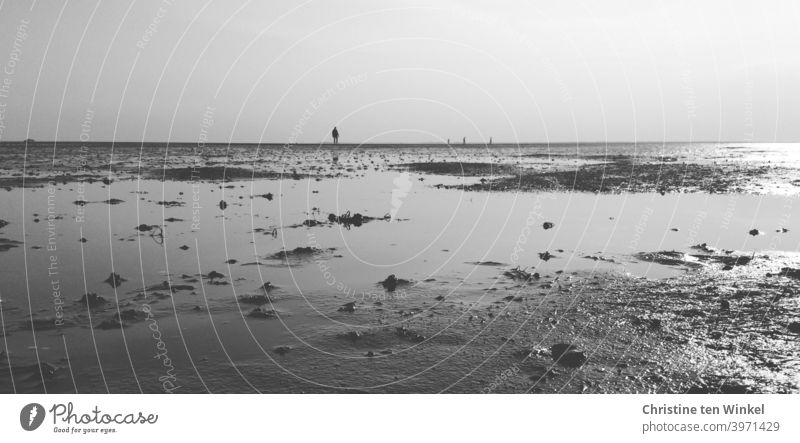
401 71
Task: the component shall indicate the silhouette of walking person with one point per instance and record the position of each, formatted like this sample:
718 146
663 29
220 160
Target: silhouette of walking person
335 134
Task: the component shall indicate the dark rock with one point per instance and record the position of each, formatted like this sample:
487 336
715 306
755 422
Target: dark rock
223 204
548 225
794 327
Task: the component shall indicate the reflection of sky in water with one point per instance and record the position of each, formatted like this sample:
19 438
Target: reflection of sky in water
439 237
437 234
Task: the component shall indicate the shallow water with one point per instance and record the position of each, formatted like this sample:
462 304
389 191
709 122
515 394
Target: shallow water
446 242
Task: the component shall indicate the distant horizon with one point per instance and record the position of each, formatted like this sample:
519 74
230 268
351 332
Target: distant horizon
128 142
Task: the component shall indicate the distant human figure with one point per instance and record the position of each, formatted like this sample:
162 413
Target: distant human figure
490 140
464 141
448 141
335 134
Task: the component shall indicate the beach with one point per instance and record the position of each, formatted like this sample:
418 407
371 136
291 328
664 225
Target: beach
504 268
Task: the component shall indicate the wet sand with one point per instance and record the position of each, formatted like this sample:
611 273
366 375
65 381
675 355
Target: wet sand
525 269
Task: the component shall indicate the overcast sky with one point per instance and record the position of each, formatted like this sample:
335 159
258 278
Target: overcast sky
400 71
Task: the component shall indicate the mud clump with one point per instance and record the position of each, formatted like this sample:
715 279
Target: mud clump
6 244
474 169
214 276
391 283
486 263
352 336
668 258
694 261
256 299
520 274
298 253
114 280
122 319
263 313
92 300
616 174
790 273
282 350
209 173
567 355
355 220
46 324
348 307
170 204
408 334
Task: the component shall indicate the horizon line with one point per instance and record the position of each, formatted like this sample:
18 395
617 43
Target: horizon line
2 142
